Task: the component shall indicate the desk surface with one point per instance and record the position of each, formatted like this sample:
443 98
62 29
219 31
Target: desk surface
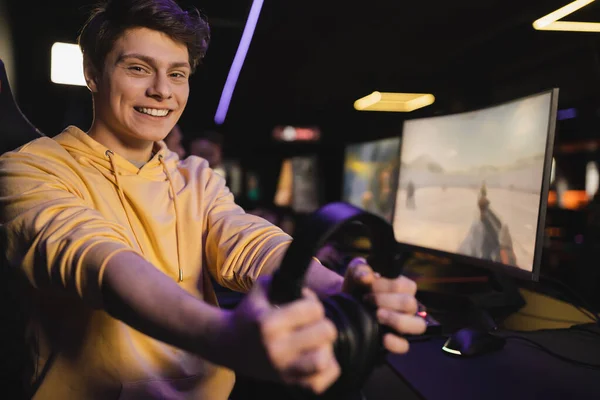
519 371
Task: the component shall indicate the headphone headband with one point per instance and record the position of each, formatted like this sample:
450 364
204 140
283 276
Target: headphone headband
310 236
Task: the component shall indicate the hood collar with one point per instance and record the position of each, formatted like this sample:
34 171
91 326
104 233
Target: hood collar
81 145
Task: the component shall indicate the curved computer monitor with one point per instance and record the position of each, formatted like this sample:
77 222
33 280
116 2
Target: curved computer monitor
371 176
475 185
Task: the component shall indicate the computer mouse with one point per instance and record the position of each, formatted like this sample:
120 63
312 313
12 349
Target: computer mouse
469 342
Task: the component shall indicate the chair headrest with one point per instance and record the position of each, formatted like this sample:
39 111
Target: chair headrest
15 128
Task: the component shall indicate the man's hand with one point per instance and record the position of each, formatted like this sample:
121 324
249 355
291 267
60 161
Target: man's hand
395 301
292 343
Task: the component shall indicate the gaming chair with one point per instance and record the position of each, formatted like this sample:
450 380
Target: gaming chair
15 131
15 128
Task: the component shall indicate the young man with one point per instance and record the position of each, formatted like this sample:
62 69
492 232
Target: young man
114 239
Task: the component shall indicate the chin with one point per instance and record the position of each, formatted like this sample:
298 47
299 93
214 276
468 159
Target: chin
148 135
154 137
153 132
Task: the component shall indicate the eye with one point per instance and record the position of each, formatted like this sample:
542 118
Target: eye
137 69
178 75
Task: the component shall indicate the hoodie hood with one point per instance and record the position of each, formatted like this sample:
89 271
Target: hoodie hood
88 151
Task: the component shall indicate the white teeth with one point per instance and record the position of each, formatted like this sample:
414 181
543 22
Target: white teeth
153 111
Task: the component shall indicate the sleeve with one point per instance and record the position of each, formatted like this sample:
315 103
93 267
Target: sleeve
49 232
239 247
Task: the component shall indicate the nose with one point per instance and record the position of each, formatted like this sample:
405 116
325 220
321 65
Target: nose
160 88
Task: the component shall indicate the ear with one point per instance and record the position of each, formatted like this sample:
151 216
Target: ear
90 74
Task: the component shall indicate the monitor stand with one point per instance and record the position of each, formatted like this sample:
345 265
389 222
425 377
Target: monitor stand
459 295
488 307
477 335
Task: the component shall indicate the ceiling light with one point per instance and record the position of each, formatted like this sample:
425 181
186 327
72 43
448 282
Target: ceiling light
394 102
238 61
551 21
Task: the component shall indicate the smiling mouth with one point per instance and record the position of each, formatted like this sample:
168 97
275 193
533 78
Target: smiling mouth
153 112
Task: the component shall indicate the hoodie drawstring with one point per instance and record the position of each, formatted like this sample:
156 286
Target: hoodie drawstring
110 155
177 227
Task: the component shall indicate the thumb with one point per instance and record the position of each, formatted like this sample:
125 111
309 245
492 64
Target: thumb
358 275
309 294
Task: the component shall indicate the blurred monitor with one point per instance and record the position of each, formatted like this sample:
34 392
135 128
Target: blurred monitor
475 184
371 176
232 172
298 184
283 193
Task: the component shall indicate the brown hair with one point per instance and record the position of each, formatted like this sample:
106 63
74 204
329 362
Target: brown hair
111 19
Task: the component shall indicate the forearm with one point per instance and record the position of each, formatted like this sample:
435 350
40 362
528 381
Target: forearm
135 292
322 280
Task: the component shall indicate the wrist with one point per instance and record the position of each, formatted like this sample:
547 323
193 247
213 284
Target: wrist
209 330
221 339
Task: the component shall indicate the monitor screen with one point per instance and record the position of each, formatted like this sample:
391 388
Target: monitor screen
475 184
370 176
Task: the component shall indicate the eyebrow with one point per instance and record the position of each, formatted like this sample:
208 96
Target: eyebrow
150 60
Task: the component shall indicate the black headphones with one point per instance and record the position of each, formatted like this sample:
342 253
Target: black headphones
358 348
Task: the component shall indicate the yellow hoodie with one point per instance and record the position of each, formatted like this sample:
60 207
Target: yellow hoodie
69 199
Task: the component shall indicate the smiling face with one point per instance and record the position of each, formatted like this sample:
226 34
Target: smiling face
141 92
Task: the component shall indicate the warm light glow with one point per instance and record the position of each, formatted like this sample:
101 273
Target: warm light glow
394 102
560 13
367 101
66 65
567 26
296 134
284 193
551 21
552 199
574 199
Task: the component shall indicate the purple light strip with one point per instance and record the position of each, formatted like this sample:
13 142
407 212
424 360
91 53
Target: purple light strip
238 62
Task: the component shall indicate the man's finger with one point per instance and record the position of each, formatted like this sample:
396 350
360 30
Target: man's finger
358 274
399 285
320 382
312 336
401 323
363 275
292 316
357 261
310 363
395 344
306 292
394 301
315 371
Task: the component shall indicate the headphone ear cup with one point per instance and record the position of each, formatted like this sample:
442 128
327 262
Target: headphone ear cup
359 338
346 340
